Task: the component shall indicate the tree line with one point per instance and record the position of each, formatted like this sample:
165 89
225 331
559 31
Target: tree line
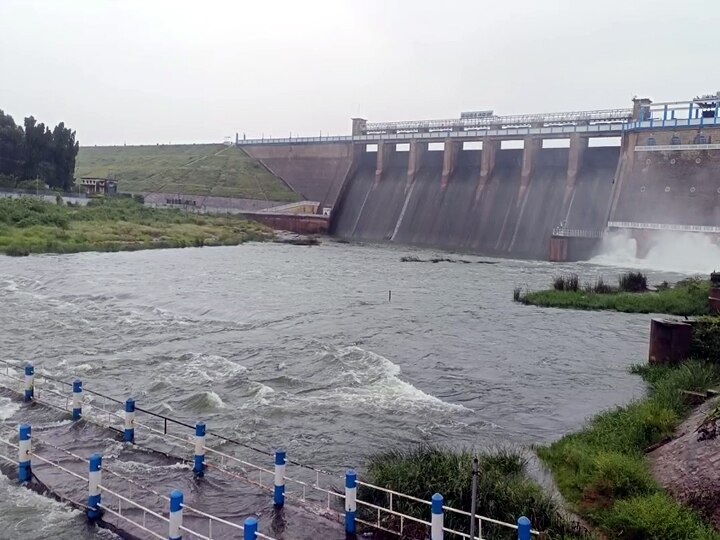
34 152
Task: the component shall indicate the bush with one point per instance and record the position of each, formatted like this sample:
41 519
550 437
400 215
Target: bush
504 492
602 288
706 339
569 282
655 516
633 282
517 294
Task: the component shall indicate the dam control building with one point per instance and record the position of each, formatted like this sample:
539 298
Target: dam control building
540 186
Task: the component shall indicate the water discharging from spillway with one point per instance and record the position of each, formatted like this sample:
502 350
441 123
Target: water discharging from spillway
693 253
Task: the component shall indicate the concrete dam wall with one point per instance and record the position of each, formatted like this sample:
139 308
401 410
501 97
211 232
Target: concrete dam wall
316 171
659 184
490 201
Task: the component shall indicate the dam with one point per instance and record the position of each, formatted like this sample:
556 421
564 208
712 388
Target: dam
533 186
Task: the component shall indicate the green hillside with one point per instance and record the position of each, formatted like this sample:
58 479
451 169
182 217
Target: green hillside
202 169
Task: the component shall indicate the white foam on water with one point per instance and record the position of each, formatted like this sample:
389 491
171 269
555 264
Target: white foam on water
374 381
8 408
26 514
684 253
204 368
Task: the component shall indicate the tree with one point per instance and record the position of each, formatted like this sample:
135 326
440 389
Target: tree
11 146
35 152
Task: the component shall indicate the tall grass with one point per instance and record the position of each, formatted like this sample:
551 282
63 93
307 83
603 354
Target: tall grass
602 470
566 282
632 282
504 491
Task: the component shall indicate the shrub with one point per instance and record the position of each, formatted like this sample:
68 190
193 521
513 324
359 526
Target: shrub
569 282
706 339
601 287
616 475
655 516
633 282
517 294
504 492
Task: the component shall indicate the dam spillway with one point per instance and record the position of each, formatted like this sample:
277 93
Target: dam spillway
453 184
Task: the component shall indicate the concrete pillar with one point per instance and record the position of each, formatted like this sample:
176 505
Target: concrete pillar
578 145
415 157
532 147
640 105
358 126
384 153
669 341
487 164
558 249
450 155
624 168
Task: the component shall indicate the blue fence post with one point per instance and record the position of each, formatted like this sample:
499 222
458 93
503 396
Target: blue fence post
176 506
24 463
438 519
94 479
279 478
350 501
129 435
29 382
77 400
250 528
199 468
523 528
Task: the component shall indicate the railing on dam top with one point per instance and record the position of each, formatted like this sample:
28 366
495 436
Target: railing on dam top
663 227
599 130
604 116
576 233
309 487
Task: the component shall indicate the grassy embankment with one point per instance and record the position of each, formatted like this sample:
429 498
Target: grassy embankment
601 470
687 297
200 169
32 226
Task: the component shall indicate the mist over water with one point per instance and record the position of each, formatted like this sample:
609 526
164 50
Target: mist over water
684 253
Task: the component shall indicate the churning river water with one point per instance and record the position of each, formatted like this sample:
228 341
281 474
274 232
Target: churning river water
300 347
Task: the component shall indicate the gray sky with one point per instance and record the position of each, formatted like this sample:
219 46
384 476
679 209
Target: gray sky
160 71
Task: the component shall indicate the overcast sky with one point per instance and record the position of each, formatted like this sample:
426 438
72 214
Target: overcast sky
148 71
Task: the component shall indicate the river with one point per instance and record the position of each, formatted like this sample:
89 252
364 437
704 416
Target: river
301 347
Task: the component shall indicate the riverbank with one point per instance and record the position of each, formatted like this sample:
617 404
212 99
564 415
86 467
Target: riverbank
603 471
688 297
32 226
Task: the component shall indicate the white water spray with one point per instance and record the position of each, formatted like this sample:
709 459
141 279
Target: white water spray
685 253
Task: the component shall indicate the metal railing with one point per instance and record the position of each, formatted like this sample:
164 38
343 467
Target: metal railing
576 233
312 485
676 147
663 227
543 119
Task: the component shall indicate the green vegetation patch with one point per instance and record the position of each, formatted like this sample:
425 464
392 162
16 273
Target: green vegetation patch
199 169
504 491
687 297
119 224
602 471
